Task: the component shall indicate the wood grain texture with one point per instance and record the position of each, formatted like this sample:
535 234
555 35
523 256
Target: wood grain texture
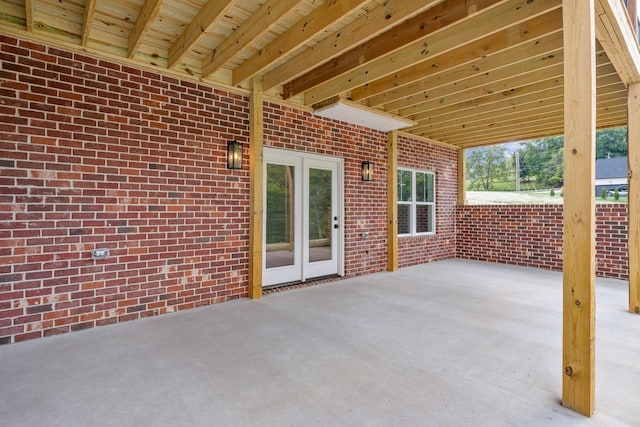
578 355
633 135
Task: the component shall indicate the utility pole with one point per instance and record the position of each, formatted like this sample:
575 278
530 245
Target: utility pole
518 170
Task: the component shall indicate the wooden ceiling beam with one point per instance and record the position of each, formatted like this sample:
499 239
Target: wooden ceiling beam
523 114
470 116
533 93
510 73
369 25
552 75
458 121
416 28
28 14
510 45
260 22
502 127
317 21
541 131
516 75
462 31
208 16
147 16
544 79
89 12
519 133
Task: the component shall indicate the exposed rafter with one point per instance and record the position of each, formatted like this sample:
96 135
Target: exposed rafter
258 23
374 22
89 12
465 71
465 29
148 14
28 12
538 37
210 14
321 18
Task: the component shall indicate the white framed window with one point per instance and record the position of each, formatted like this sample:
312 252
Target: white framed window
416 202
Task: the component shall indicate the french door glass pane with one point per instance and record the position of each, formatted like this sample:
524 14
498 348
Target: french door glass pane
320 220
280 216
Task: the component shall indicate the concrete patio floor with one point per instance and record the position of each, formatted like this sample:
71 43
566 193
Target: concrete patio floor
444 344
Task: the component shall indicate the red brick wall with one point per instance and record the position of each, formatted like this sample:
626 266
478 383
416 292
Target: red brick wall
94 154
99 155
531 235
444 162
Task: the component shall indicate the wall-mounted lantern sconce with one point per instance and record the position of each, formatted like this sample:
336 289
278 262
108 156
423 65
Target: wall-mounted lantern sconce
234 155
367 171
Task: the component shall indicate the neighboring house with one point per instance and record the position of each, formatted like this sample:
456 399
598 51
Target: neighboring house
611 174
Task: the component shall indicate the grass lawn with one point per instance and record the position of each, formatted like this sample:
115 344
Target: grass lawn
523 198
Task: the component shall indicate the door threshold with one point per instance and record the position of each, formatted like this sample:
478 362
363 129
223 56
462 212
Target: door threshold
299 283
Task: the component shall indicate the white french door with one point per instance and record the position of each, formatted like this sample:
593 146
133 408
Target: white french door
303 237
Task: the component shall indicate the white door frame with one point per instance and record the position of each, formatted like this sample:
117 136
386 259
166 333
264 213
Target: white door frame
301 161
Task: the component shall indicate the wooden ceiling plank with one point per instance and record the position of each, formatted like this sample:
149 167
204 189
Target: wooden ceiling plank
147 16
523 108
441 97
260 22
509 73
457 121
322 17
501 124
523 113
89 12
540 131
549 76
416 28
478 25
210 14
547 117
478 57
470 108
541 90
369 25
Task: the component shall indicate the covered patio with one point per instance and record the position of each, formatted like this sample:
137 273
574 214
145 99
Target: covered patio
448 343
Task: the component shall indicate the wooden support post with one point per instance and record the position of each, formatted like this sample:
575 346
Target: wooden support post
462 177
633 138
392 201
578 340
256 195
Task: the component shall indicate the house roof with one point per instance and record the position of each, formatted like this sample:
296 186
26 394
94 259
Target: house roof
615 167
467 72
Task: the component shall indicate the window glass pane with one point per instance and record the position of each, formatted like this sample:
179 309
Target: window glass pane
424 219
404 186
420 187
404 219
429 187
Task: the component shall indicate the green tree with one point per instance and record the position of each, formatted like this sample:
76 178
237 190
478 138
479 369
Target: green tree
611 143
485 165
544 160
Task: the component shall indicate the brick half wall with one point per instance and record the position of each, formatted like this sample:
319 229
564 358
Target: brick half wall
531 236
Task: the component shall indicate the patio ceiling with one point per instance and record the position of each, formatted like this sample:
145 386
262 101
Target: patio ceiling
468 72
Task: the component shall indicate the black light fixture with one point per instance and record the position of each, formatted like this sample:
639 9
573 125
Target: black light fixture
367 171
234 155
